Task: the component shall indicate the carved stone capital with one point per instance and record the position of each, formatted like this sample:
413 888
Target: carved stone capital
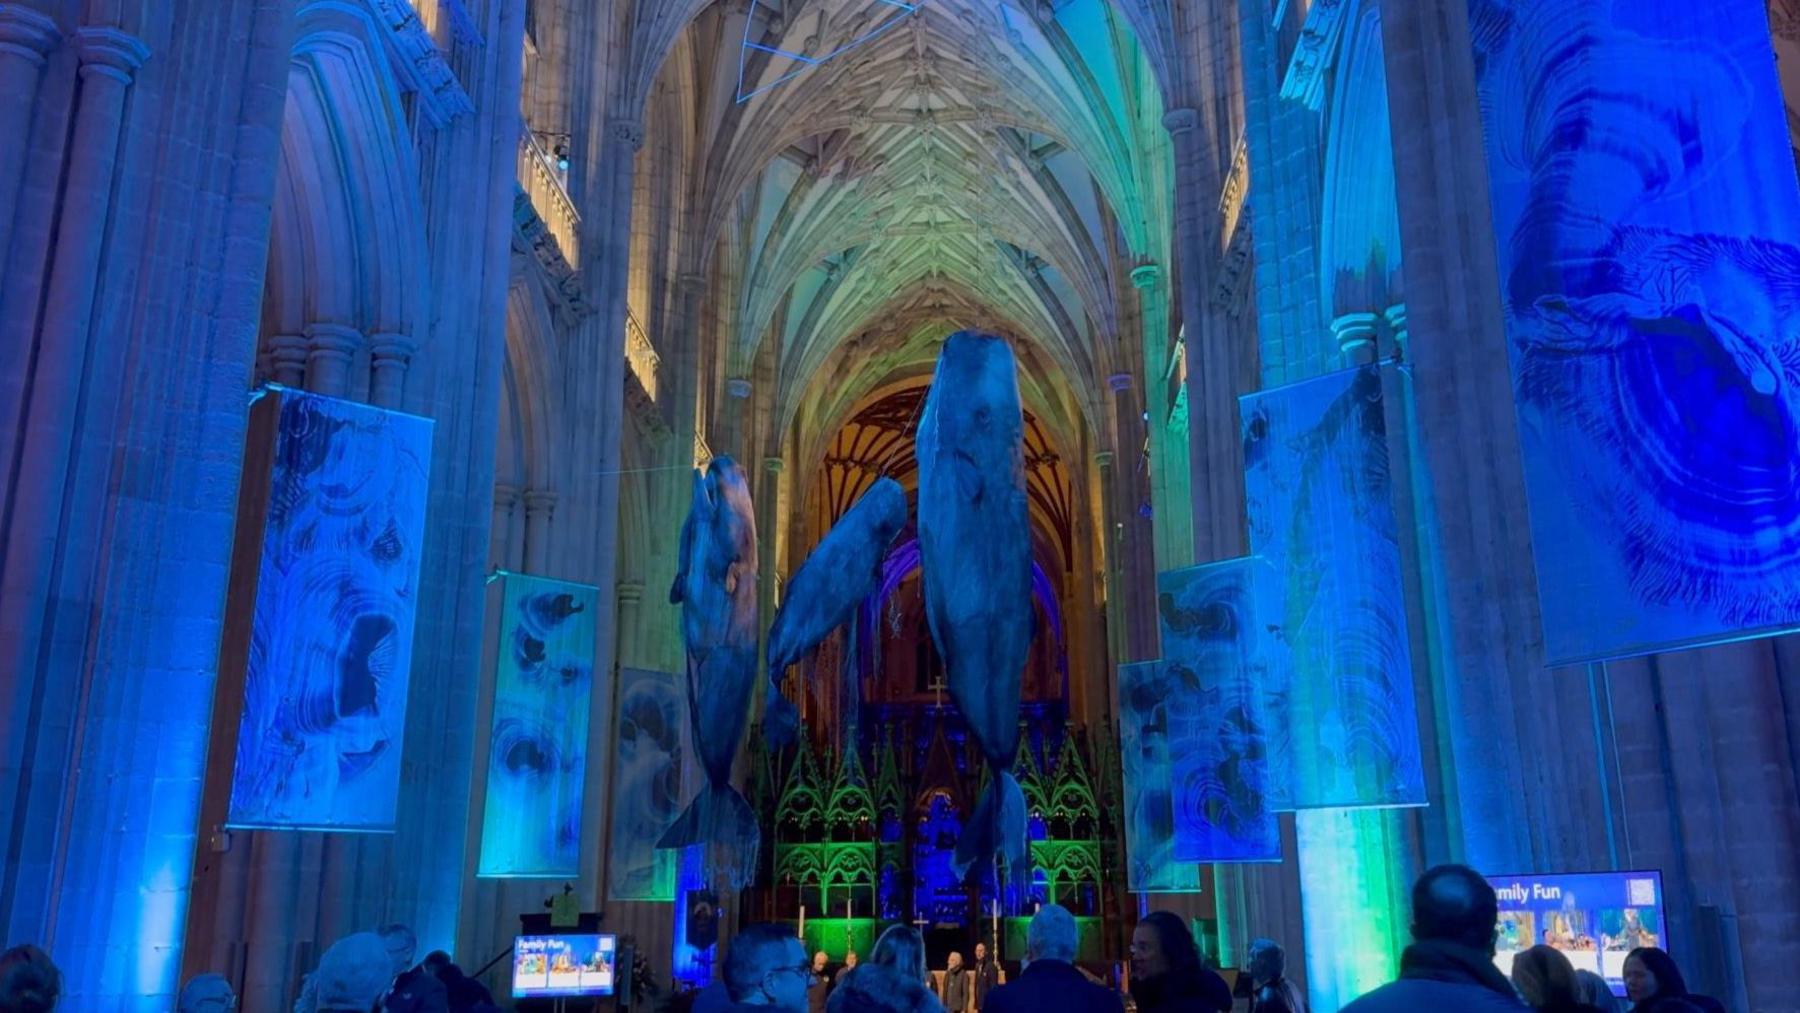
1355 333
27 32
738 387
773 465
1119 382
287 359
1146 275
540 501
108 52
629 592
626 131
1177 121
505 496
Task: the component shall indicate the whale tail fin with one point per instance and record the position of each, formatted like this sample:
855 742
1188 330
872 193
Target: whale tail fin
781 719
722 820
995 828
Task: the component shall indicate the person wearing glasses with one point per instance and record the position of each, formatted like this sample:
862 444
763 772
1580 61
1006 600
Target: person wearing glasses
767 969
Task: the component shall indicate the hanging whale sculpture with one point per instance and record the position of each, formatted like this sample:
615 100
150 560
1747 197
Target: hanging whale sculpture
975 546
825 591
715 585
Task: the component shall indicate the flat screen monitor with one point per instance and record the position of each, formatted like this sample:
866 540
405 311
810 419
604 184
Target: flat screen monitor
1594 918
564 966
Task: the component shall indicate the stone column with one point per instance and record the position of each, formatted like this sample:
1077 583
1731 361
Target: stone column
1109 570
1215 449
630 595
25 37
1396 321
1356 335
1135 533
330 349
287 359
736 424
506 498
767 497
389 356
38 524
540 510
1172 523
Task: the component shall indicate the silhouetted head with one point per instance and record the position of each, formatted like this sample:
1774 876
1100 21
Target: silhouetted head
1545 978
29 982
980 951
767 966
206 993
1052 935
903 949
435 962
1651 974
1453 904
1162 944
1268 960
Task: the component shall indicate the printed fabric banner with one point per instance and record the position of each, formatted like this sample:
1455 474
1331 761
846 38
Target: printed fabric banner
1320 500
1647 220
1150 867
330 653
653 743
1224 673
538 746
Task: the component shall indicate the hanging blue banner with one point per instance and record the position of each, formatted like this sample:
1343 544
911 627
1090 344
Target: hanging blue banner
337 579
1648 226
1145 767
538 746
1320 503
652 744
1224 674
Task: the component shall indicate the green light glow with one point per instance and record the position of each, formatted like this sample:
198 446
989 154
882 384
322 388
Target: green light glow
1353 881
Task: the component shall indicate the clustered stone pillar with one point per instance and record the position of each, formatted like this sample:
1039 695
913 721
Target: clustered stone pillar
1356 336
1135 541
506 499
287 359
26 36
540 509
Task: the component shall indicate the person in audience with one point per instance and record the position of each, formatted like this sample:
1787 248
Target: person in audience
1449 968
1273 993
955 989
463 993
1592 989
1167 974
1654 984
982 977
893 981
29 982
766 970
849 965
206 993
1050 982
820 988
414 989
1546 981
352 976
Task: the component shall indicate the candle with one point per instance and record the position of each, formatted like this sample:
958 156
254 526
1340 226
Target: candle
803 921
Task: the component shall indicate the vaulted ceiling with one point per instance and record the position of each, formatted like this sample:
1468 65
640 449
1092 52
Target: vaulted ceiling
975 163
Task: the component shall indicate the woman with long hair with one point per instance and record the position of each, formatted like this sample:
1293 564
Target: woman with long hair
1546 980
892 980
1167 974
1654 984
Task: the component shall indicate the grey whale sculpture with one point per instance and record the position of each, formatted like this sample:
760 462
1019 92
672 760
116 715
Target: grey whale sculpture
975 545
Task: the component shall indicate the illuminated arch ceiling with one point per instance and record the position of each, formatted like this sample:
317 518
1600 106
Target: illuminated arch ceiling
978 165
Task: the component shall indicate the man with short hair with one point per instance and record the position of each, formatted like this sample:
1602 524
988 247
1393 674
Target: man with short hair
767 970
1449 968
820 988
1050 982
983 977
849 965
